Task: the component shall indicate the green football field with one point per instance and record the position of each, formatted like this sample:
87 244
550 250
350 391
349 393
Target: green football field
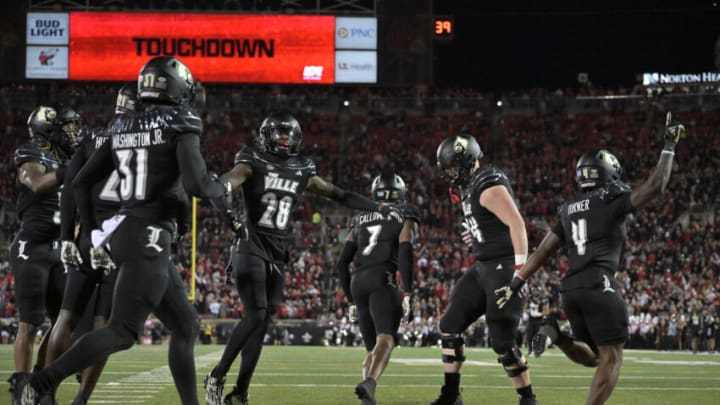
327 376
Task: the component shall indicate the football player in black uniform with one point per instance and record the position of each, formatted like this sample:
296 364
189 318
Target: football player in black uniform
35 251
592 228
380 246
146 150
496 231
272 177
82 279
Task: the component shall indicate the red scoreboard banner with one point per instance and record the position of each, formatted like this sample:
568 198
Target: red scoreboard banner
216 48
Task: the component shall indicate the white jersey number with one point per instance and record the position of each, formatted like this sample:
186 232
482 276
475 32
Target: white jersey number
279 209
374 232
132 181
579 235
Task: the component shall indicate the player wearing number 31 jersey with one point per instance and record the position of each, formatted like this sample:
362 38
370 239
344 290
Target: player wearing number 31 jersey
272 176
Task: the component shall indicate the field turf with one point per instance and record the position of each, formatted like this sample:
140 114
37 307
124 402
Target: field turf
327 376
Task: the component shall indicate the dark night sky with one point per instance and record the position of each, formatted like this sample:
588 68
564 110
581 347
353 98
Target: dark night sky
515 44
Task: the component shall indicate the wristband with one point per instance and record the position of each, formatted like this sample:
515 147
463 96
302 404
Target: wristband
520 259
669 147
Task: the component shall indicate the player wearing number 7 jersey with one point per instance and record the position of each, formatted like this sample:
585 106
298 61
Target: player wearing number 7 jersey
272 176
35 252
592 228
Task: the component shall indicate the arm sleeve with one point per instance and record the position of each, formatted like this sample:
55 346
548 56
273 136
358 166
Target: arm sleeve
353 200
97 167
342 266
67 198
405 265
193 171
558 230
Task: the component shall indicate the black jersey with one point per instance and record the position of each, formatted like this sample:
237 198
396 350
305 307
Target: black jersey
39 214
593 227
144 154
491 237
273 191
376 236
107 198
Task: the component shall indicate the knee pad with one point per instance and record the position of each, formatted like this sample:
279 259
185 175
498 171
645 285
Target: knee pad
456 343
123 337
512 362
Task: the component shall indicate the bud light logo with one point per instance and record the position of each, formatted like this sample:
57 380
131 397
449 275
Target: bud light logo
47 28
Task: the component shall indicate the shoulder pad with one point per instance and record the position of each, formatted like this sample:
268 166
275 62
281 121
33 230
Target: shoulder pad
410 211
87 135
613 190
489 176
30 153
303 163
246 155
184 120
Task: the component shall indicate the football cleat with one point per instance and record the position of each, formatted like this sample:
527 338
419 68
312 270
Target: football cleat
16 382
548 329
236 398
529 401
29 396
214 389
447 398
365 391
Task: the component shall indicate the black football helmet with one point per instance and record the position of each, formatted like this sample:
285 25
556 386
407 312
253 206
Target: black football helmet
456 157
388 188
57 125
165 80
596 168
280 133
127 99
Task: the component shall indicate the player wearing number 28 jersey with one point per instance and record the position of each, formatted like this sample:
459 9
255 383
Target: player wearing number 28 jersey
272 177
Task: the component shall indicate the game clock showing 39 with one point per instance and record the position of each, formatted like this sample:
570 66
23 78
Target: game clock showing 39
443 28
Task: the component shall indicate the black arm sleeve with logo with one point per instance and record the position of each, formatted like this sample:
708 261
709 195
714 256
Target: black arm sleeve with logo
68 208
99 166
193 171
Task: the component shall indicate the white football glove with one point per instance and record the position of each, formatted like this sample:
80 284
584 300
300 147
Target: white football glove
100 259
69 254
408 303
352 314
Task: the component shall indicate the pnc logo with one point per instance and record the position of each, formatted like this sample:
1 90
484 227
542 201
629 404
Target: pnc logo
343 32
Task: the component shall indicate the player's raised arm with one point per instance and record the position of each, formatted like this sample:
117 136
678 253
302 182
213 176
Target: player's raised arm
658 179
193 170
347 198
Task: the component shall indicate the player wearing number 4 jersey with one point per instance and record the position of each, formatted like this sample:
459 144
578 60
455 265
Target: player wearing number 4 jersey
379 246
272 177
495 232
592 228
35 252
153 152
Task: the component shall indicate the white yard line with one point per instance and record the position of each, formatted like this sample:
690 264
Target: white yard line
144 385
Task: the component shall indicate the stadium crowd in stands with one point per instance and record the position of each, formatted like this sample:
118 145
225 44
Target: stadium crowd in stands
671 269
